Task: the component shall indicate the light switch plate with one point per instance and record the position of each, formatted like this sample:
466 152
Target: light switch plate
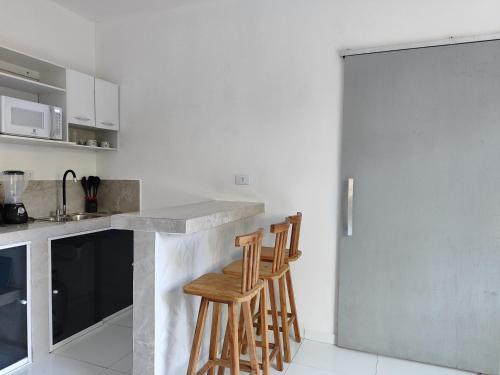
242 179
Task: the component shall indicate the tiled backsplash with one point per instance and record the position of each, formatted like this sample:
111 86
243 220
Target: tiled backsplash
43 197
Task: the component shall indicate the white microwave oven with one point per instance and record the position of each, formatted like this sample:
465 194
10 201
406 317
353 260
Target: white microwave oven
30 119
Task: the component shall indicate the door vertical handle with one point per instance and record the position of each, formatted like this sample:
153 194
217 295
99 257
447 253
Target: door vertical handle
349 206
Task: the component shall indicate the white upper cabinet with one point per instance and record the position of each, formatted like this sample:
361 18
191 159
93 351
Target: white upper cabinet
106 105
90 105
80 106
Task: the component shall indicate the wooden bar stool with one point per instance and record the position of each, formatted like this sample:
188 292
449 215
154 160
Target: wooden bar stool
293 254
272 272
231 291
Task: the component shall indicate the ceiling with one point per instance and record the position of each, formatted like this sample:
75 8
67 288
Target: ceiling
103 10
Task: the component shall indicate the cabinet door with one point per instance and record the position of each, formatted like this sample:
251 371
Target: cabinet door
114 281
80 103
91 279
13 306
73 285
106 105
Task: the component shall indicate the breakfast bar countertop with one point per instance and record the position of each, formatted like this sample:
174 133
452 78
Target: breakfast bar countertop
186 219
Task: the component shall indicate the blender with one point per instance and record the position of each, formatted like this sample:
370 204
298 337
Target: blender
14 183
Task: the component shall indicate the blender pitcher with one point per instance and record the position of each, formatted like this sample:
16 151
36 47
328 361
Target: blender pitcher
14 183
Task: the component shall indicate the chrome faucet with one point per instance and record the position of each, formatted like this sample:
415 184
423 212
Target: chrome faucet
64 187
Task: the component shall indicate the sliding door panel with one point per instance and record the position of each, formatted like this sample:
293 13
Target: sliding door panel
419 277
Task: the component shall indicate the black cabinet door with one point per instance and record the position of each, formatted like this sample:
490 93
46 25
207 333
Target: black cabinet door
13 306
91 279
114 258
73 285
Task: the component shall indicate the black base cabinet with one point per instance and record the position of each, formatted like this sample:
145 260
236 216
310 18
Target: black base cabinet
91 279
13 306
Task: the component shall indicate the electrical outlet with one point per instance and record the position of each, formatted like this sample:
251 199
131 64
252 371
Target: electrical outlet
242 179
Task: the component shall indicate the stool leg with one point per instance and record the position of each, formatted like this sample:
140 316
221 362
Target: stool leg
276 327
234 348
250 337
225 350
293 308
198 335
284 320
214 335
263 328
244 341
241 333
259 324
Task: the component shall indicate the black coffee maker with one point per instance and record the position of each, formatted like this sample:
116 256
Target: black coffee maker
14 183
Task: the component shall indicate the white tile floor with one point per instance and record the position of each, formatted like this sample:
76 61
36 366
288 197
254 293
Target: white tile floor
104 351
108 351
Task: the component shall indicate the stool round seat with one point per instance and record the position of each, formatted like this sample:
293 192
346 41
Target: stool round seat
219 287
267 254
265 270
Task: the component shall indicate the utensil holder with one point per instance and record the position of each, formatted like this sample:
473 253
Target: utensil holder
90 205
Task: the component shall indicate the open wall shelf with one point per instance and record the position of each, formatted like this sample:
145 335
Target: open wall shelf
4 138
19 83
29 78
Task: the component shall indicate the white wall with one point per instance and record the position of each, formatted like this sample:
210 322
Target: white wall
255 87
46 30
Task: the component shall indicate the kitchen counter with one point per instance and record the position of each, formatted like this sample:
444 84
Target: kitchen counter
172 246
34 225
187 219
43 230
42 224
184 219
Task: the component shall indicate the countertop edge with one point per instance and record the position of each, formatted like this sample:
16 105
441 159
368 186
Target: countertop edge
196 223
218 218
45 230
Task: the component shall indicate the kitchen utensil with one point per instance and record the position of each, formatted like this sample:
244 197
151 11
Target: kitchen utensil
84 185
97 183
105 144
91 142
89 186
14 184
92 186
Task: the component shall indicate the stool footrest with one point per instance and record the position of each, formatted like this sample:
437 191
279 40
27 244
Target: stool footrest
245 366
290 321
279 313
210 364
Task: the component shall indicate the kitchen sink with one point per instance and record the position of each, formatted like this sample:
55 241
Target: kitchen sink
73 217
78 217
